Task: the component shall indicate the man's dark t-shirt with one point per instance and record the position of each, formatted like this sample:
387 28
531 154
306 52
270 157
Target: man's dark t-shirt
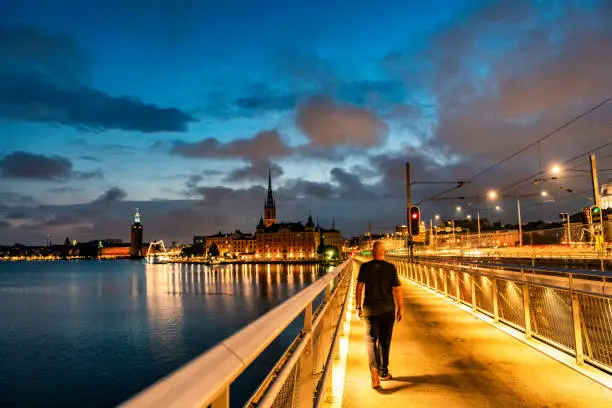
379 278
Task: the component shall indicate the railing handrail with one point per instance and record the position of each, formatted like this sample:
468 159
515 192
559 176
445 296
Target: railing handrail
536 269
207 376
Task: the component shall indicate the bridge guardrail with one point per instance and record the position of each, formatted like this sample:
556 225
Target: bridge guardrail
571 312
299 378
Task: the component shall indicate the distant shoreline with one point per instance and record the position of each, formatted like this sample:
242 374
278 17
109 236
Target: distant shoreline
183 261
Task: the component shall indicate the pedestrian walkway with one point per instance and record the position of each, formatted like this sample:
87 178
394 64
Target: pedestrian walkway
442 356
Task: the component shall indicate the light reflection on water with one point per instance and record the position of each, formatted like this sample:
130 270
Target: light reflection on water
94 333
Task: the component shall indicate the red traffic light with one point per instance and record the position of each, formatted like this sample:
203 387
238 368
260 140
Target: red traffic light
414 220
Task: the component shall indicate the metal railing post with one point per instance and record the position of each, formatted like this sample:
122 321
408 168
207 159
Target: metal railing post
495 300
577 323
457 287
473 287
306 364
526 307
444 273
423 278
222 401
427 276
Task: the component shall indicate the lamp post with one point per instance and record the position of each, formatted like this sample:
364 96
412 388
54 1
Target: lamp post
494 194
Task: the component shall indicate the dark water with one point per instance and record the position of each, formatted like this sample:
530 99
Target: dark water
94 333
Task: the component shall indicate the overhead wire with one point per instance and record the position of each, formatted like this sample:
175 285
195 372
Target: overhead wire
537 142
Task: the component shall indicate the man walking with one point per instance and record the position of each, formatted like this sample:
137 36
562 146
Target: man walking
382 293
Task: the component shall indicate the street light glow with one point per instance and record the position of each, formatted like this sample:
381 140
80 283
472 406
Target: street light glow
497 208
544 193
555 169
437 217
458 208
469 217
492 194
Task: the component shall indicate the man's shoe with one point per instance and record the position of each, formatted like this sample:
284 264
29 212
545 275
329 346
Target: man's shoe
375 378
386 377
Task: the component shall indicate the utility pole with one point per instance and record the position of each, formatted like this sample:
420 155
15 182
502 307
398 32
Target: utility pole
408 205
520 222
370 232
596 199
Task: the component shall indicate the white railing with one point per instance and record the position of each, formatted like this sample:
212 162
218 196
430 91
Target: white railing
299 378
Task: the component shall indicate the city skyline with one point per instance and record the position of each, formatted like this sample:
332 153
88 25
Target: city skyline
181 108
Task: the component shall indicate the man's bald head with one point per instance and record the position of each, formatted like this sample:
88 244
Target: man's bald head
378 250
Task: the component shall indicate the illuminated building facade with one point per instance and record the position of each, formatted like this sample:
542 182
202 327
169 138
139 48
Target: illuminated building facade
222 241
290 240
606 196
136 237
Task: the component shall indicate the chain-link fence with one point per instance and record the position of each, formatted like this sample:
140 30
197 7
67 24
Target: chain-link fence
570 311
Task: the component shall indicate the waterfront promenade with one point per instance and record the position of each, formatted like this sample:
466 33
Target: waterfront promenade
443 356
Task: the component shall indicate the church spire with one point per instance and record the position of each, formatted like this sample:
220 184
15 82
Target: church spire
270 199
270 205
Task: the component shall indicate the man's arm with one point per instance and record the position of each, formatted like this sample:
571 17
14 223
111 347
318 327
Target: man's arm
358 299
397 295
361 278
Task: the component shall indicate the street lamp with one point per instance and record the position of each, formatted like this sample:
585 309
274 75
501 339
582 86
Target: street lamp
555 169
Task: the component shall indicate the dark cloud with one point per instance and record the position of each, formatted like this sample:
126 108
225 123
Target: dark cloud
255 171
66 190
17 215
22 165
43 79
35 99
4 224
327 123
17 200
264 145
111 195
508 72
91 158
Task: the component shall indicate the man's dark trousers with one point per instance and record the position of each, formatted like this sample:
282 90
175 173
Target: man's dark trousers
378 331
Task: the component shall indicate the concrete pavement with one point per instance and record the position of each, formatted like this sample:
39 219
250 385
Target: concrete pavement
442 356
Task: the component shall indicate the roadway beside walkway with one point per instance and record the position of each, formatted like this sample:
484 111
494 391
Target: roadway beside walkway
442 356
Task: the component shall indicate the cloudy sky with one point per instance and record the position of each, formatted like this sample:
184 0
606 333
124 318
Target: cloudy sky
180 107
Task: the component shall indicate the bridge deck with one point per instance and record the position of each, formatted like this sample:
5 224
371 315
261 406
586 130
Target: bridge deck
442 356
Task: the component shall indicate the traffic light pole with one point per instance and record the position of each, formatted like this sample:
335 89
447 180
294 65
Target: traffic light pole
408 205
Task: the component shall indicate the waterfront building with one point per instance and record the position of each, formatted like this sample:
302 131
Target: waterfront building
274 240
222 241
136 237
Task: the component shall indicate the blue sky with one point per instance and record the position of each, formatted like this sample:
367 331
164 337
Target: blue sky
181 107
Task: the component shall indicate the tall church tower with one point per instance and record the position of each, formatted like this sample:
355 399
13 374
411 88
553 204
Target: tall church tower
270 206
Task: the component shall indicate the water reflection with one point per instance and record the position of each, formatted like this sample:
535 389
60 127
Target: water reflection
226 290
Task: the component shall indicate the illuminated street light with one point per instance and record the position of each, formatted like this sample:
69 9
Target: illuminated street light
458 208
492 194
544 193
555 169
469 216
437 217
497 208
